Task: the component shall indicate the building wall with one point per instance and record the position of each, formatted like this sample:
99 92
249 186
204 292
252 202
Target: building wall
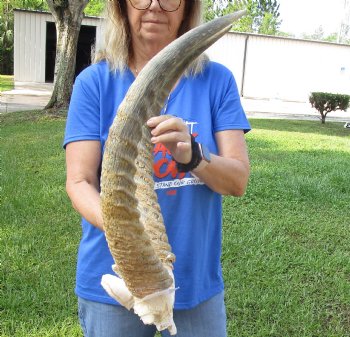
264 66
284 68
30 43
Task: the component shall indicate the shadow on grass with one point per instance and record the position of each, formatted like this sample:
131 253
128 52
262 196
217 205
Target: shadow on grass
315 127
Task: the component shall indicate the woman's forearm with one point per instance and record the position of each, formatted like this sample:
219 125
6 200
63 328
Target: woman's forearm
226 176
83 160
86 200
228 172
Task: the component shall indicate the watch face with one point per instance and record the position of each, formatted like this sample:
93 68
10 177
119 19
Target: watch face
205 153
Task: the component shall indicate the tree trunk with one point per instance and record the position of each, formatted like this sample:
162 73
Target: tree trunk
68 17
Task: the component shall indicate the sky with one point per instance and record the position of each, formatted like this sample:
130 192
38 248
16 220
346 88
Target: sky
306 16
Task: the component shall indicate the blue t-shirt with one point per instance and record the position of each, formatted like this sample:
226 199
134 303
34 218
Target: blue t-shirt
192 212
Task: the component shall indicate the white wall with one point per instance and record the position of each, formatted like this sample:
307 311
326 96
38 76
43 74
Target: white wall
29 46
284 68
229 50
30 43
275 67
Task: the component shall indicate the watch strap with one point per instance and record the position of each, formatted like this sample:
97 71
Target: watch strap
195 160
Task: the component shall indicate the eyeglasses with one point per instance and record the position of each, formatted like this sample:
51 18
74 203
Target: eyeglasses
165 5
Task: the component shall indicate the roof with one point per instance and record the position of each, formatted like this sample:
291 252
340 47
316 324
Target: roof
231 32
48 12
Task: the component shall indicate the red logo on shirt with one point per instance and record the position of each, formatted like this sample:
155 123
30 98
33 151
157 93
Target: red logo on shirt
165 166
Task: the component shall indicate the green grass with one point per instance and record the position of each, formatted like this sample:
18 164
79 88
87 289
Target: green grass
6 82
286 249
286 244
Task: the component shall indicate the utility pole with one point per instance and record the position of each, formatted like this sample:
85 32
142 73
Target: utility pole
344 29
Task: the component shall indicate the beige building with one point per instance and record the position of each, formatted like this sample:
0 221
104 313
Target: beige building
266 67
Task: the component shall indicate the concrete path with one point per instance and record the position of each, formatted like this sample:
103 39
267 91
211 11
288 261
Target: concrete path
29 96
25 96
278 109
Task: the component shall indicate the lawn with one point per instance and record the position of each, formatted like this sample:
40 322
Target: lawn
286 248
6 82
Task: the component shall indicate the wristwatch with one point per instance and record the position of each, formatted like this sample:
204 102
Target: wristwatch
204 153
200 157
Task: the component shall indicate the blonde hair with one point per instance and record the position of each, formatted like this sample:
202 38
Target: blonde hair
117 38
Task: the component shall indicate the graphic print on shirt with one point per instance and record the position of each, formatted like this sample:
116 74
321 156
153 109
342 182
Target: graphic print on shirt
166 175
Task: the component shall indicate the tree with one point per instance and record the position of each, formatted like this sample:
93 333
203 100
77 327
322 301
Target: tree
262 17
331 37
6 29
317 35
267 19
68 15
209 10
325 102
95 7
6 38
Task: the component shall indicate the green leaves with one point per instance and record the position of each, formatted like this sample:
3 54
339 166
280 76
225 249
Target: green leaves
263 15
95 7
6 37
325 102
7 28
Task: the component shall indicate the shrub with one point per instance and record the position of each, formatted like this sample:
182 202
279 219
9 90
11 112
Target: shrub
325 102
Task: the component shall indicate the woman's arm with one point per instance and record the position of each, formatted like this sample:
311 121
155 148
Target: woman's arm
83 160
228 172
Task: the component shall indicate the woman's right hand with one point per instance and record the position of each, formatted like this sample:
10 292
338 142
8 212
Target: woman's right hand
173 133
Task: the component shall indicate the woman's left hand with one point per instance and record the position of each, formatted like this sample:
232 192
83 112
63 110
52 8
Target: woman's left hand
173 133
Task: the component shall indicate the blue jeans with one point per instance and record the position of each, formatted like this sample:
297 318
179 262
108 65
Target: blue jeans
208 319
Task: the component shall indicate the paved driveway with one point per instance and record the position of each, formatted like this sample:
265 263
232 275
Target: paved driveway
24 97
27 96
279 109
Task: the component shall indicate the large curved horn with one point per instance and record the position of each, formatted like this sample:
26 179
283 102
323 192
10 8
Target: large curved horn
132 221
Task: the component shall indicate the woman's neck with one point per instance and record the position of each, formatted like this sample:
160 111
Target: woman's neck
142 53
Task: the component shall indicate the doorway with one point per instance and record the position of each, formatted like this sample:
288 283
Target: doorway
86 40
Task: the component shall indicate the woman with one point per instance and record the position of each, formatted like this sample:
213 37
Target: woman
204 104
